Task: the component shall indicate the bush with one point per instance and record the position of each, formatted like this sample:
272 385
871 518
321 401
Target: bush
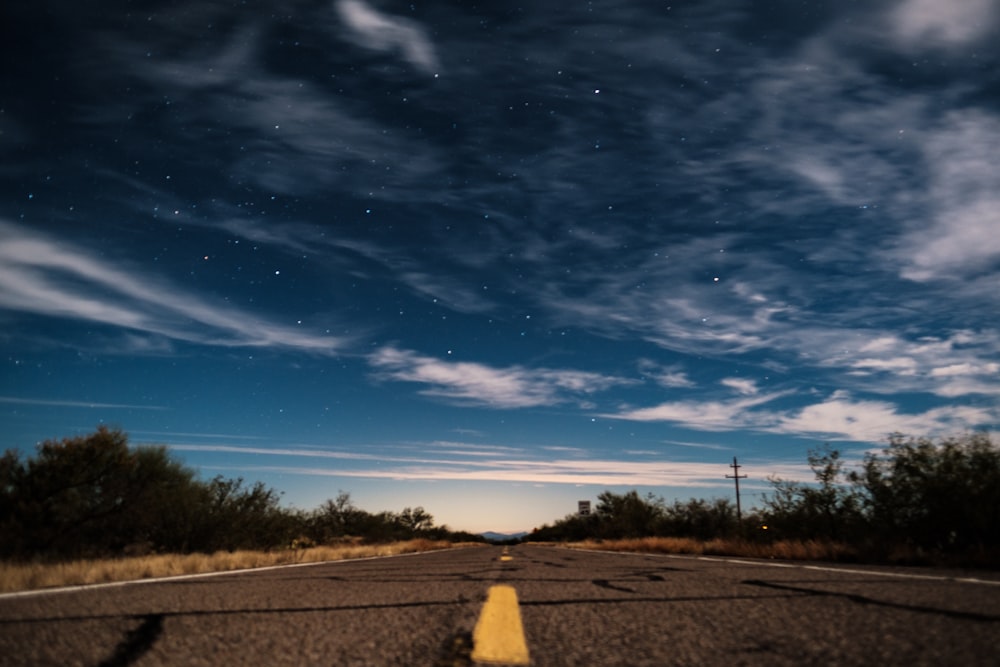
943 496
93 496
829 509
88 495
918 500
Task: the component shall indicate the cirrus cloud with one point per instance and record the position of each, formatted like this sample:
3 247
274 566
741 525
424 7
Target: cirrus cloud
45 276
839 417
383 32
475 383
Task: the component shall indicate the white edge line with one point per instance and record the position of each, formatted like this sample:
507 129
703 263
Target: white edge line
802 566
200 575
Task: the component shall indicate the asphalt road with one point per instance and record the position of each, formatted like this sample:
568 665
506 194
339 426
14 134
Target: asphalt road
576 608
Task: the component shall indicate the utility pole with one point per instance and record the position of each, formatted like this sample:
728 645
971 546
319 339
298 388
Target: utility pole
736 477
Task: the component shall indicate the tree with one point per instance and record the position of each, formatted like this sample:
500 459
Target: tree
628 515
95 495
571 528
334 518
941 495
240 517
92 495
161 515
415 520
12 504
828 509
700 518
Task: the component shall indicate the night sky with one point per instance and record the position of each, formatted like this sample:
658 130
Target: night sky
493 259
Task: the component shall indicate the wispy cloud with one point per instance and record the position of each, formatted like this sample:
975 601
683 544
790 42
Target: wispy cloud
45 276
842 417
696 445
474 463
209 436
741 385
273 451
385 32
963 200
667 377
295 136
706 415
965 369
593 472
958 364
480 384
903 197
14 400
922 23
839 417
470 432
925 173
466 449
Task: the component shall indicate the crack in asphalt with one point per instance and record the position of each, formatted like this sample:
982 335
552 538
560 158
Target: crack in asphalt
604 583
861 599
137 642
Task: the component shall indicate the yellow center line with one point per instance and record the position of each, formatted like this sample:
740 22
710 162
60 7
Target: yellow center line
499 636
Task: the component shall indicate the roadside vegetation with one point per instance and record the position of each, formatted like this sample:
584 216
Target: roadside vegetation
19 576
94 509
917 501
92 505
780 549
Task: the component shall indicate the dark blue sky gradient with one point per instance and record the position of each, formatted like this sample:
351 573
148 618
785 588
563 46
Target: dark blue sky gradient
493 259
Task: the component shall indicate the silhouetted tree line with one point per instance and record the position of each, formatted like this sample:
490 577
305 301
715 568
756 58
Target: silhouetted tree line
929 496
95 495
629 515
915 496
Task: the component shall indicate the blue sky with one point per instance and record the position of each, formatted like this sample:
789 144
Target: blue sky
491 259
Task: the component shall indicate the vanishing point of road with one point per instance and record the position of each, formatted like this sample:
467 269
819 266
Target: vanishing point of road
524 605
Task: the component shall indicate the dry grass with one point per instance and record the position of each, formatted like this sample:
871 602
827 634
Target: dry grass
800 550
29 576
783 549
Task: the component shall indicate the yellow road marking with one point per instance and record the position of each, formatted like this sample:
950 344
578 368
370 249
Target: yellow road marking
499 635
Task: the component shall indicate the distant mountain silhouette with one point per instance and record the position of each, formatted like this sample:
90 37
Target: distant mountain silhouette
503 537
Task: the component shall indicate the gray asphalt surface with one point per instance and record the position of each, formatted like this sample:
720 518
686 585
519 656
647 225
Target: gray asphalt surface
578 608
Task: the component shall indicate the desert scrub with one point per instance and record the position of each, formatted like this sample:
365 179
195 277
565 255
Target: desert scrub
782 549
30 576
